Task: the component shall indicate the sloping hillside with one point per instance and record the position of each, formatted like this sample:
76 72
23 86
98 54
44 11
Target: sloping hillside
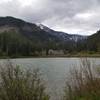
93 42
18 37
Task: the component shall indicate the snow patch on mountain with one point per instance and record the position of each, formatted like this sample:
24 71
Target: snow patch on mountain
62 35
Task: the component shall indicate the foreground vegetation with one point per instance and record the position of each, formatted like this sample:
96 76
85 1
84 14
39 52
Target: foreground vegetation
17 84
83 83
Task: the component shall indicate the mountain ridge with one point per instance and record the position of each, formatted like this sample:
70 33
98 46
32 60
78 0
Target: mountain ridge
18 37
63 35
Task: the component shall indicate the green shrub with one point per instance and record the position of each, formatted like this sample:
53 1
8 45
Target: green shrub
19 84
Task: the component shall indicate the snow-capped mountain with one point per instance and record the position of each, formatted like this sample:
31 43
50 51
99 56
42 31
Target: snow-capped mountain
62 35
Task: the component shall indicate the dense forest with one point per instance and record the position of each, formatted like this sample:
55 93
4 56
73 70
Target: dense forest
93 42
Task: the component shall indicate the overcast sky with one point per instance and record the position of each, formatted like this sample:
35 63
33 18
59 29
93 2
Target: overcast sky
71 16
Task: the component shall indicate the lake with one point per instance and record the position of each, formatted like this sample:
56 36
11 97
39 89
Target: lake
54 71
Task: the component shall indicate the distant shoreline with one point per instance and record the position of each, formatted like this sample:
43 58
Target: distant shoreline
54 56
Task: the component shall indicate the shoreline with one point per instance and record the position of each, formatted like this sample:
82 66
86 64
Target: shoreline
54 56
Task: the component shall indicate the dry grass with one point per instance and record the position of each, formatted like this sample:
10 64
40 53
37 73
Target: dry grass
18 84
83 83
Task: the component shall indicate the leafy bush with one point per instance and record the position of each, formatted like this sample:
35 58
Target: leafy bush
83 83
18 84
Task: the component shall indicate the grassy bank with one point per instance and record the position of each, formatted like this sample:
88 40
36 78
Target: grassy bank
82 54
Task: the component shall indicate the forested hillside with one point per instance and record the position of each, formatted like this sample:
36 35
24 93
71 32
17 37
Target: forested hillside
20 38
93 42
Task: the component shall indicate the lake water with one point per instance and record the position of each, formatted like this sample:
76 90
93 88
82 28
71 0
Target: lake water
54 70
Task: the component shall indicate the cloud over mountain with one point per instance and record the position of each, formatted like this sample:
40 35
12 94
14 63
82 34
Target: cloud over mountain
72 16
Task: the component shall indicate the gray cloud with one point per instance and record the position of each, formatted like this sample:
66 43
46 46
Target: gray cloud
72 16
